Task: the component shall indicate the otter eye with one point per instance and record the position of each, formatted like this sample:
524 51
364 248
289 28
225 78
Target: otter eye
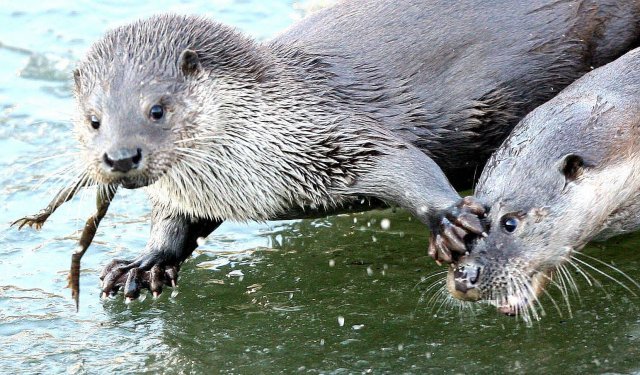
95 122
510 223
156 112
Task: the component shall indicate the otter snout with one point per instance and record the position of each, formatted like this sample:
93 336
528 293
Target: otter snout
463 281
122 160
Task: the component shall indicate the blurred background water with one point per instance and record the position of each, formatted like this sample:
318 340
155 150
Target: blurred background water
334 295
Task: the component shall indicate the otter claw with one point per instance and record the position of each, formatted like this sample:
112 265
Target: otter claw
448 240
133 284
132 277
470 204
470 222
453 239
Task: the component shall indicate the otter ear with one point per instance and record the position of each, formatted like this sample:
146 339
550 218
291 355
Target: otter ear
572 166
189 62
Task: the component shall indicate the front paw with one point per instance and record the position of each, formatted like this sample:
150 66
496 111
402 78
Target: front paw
448 240
146 272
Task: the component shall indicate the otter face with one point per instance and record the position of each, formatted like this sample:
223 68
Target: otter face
512 265
564 176
130 107
127 133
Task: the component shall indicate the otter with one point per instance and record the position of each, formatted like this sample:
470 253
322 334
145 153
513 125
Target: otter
361 105
567 175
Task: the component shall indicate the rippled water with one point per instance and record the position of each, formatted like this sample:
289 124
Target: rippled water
335 295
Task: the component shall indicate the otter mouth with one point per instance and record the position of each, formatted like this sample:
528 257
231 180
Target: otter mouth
512 291
127 181
524 296
133 183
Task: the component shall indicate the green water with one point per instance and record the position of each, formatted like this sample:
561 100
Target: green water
336 295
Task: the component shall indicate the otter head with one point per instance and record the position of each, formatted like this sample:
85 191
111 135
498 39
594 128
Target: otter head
551 187
129 113
135 94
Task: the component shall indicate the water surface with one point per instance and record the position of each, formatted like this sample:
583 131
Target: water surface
334 295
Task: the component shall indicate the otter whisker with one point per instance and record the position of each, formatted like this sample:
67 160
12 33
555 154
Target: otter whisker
635 283
562 286
605 275
590 278
21 168
554 303
562 270
525 282
587 276
436 293
440 295
424 279
447 299
525 290
59 174
441 282
570 280
555 283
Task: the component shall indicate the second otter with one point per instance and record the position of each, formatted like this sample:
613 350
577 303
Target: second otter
567 175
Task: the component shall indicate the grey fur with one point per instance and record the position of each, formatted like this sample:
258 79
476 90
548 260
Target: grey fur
365 98
597 118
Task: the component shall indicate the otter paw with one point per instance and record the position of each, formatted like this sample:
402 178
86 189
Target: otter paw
134 276
449 239
34 221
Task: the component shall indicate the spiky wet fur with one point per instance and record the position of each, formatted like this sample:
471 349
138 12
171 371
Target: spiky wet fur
242 147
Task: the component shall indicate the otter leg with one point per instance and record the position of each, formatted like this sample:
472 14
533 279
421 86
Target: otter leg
408 177
173 238
37 221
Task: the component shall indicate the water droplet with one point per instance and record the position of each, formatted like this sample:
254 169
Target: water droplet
201 241
385 224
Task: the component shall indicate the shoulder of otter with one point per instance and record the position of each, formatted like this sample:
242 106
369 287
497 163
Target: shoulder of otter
275 165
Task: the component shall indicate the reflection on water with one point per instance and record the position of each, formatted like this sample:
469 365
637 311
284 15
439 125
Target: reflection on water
333 295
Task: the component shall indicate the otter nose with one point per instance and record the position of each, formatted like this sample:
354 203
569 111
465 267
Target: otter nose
122 160
466 277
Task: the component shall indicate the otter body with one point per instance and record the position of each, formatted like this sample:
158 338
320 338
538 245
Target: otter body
568 174
364 99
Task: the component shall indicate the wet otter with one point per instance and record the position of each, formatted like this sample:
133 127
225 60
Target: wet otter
364 99
568 174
